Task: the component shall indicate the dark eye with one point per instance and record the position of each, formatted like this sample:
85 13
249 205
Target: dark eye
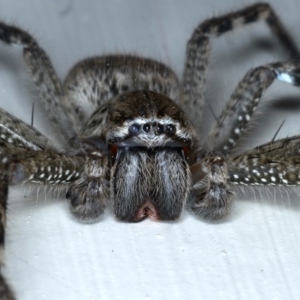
170 129
134 128
146 127
159 129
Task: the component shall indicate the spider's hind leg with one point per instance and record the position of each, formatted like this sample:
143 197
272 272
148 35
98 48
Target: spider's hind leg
234 118
43 75
198 49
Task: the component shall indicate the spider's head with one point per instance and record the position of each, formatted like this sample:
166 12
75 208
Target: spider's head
148 137
149 120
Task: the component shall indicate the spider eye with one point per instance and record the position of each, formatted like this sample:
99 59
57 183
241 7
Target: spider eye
146 127
170 129
159 129
134 128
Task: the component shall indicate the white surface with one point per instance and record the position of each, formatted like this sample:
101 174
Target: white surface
253 254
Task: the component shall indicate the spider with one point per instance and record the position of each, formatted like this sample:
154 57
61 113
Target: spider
131 130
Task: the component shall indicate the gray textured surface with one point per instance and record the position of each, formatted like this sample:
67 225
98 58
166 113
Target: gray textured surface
253 254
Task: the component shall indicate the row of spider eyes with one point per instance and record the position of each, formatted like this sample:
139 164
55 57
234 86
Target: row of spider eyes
136 128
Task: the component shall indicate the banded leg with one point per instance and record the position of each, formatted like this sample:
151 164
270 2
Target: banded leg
19 134
84 179
43 74
275 163
5 291
88 193
198 47
211 196
237 113
44 167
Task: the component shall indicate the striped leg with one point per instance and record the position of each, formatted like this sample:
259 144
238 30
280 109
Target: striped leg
235 116
198 47
275 163
211 195
5 291
43 74
21 150
33 161
89 193
19 134
43 167
38 167
85 179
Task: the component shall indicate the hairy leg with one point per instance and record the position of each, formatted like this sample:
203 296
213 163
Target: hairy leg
19 134
5 291
84 179
88 193
239 109
275 163
198 48
43 75
211 195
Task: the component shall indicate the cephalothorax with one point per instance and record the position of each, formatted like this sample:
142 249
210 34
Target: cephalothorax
130 144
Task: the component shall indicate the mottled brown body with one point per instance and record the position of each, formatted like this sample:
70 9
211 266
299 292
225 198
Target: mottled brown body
131 127
95 80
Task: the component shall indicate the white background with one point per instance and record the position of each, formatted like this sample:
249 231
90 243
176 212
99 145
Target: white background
253 254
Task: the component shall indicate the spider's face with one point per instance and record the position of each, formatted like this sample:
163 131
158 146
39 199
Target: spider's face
147 119
148 136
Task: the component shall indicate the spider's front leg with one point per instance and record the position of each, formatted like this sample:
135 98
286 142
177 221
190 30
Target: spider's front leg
85 179
213 173
46 167
25 157
275 163
211 196
89 193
